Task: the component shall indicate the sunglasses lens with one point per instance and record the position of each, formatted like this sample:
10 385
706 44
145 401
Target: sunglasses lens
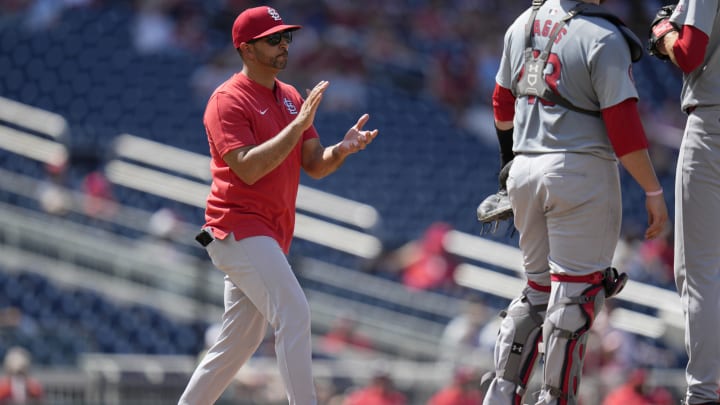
275 39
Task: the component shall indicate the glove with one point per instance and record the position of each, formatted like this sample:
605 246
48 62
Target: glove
496 207
660 27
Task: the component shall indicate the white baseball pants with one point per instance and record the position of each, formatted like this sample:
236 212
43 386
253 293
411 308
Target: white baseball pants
260 288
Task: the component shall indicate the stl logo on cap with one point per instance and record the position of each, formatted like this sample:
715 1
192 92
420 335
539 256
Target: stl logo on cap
274 14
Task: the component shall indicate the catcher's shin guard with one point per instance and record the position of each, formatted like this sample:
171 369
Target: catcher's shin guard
516 350
564 338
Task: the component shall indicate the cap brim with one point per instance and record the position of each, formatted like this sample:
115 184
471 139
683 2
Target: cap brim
278 28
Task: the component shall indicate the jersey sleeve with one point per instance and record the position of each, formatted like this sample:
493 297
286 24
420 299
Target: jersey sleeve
611 70
624 127
227 125
310 133
504 74
690 47
698 13
696 24
503 103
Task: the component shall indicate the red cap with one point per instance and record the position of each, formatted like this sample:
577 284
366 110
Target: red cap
258 22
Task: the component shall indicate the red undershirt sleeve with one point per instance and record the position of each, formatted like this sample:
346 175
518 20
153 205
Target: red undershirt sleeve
503 103
690 48
624 127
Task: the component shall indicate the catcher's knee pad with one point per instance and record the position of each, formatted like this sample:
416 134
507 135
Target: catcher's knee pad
564 341
517 346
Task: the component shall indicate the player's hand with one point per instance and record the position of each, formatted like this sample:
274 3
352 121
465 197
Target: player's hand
356 139
306 116
665 44
657 216
659 28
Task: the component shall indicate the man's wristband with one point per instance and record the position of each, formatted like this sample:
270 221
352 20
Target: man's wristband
654 193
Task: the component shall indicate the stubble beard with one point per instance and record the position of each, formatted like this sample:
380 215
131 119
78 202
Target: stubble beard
279 62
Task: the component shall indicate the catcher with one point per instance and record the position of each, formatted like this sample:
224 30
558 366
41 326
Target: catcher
565 108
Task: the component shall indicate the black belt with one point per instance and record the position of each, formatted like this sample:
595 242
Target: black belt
204 237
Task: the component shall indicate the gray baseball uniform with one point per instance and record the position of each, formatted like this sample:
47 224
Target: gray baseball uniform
565 191
697 203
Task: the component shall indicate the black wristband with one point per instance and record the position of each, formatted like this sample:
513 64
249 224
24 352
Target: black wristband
505 139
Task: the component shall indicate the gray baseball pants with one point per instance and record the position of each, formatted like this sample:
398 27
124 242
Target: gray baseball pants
568 212
697 250
260 288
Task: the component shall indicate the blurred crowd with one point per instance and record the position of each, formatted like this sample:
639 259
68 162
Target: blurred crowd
17 384
445 49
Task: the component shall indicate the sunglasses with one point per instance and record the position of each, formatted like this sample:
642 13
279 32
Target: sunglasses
276 38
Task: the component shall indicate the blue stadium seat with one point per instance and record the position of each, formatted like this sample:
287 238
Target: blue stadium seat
72 321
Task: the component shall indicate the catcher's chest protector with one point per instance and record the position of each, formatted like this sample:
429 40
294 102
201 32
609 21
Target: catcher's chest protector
532 82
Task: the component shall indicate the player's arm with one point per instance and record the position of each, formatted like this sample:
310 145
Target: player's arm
251 163
319 161
503 102
685 47
496 207
628 139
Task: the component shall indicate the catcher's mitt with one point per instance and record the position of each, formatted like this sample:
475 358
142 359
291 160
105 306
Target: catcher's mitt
496 207
660 27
